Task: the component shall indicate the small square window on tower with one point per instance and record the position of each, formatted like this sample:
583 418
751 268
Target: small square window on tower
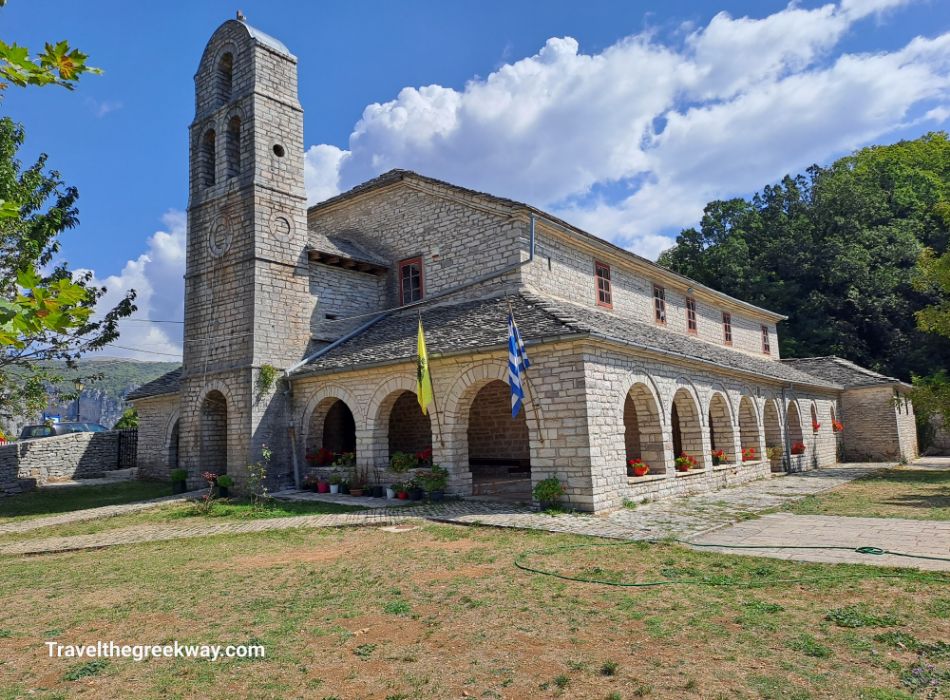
410 280
604 292
691 315
727 327
766 345
659 303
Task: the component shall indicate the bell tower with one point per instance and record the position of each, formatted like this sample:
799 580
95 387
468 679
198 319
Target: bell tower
247 299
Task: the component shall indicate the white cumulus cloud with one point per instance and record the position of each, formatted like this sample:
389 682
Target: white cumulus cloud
631 142
156 277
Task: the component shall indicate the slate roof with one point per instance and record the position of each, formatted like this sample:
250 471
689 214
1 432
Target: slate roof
168 383
482 324
840 371
346 247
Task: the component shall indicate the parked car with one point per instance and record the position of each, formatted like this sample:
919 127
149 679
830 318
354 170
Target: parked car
33 432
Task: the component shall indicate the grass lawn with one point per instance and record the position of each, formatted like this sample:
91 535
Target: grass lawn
889 493
62 499
439 611
220 511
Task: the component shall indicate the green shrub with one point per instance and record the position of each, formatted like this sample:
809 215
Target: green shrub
224 481
179 475
548 490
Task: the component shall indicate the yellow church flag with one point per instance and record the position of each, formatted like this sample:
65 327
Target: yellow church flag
423 379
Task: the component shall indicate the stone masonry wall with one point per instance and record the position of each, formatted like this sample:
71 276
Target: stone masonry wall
73 456
610 376
459 238
566 270
158 416
870 424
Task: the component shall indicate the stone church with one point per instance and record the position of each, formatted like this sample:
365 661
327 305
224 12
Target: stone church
628 359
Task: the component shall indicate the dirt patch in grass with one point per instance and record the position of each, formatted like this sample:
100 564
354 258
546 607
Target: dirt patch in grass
890 493
441 612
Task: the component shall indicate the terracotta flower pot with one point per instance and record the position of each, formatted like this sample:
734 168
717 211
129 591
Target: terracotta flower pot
641 471
323 487
402 495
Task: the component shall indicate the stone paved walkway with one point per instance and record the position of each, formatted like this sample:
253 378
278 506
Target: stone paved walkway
77 516
682 517
912 536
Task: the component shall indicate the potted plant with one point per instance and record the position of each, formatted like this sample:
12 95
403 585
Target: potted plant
798 448
401 462
358 482
323 486
378 491
179 481
424 457
748 454
224 484
335 480
416 492
684 462
548 493
719 457
637 467
836 426
434 480
402 491
390 492
815 426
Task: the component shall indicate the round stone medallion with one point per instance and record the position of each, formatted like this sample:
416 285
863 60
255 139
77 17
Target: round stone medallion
219 238
280 226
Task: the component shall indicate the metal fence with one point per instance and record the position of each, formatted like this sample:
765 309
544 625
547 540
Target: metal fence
128 447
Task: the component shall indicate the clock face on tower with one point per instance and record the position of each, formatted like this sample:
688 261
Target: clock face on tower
219 237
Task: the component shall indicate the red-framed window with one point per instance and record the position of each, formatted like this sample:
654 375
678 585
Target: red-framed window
604 292
411 284
766 345
727 327
659 304
691 315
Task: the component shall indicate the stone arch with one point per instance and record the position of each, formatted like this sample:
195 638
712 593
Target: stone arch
719 388
400 425
749 434
214 432
173 440
331 426
456 413
814 417
326 391
686 425
793 422
643 428
223 78
721 433
232 147
207 158
772 425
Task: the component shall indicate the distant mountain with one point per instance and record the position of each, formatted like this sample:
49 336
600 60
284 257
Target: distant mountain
106 382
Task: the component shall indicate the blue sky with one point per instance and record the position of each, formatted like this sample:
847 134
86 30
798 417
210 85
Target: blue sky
623 117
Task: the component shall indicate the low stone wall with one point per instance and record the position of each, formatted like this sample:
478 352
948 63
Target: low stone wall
653 487
25 464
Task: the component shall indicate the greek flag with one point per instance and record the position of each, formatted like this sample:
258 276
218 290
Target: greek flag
517 364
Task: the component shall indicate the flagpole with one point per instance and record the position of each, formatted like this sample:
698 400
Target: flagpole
527 385
435 406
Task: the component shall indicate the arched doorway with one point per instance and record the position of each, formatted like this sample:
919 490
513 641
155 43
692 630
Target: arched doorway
687 430
499 451
749 430
214 433
773 434
721 435
332 427
793 423
643 433
173 447
408 428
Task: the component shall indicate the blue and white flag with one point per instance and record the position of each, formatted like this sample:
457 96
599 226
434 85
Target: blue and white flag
517 364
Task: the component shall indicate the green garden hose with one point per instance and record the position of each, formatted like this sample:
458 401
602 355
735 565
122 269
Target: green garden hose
866 549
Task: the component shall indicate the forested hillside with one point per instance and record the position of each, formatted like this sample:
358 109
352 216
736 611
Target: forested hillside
836 248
